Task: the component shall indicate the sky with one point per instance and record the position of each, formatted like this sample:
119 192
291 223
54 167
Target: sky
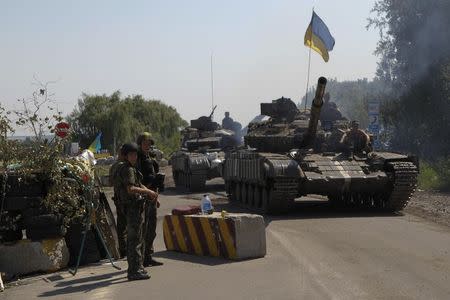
162 50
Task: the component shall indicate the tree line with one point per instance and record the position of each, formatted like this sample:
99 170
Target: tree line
120 119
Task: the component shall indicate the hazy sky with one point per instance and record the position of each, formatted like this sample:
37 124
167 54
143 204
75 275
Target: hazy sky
161 49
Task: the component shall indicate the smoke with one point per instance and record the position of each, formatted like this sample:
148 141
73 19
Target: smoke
429 41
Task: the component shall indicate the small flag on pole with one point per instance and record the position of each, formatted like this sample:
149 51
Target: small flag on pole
318 37
96 145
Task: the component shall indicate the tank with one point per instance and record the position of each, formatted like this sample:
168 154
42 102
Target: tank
202 152
291 155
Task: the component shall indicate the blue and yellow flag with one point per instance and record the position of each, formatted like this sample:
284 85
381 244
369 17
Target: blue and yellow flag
96 145
318 37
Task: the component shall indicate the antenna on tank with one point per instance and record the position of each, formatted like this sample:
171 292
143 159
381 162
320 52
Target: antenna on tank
212 85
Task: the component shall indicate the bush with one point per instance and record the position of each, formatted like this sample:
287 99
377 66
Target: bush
435 175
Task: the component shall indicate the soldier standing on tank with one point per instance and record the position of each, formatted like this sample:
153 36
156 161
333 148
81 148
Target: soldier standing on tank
356 138
120 206
148 168
227 122
330 113
134 194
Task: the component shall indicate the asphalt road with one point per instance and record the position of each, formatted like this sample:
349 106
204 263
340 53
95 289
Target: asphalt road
312 253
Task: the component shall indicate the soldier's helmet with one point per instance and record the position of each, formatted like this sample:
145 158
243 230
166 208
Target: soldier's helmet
128 148
145 136
354 124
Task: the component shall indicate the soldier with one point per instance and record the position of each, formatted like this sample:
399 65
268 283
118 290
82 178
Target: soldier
133 194
330 112
227 122
149 168
356 138
120 206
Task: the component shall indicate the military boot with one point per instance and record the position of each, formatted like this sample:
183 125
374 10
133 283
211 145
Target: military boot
139 275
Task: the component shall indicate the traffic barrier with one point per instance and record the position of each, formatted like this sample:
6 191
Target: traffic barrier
235 236
26 256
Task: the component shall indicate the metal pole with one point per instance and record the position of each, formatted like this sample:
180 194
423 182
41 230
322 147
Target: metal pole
309 63
212 85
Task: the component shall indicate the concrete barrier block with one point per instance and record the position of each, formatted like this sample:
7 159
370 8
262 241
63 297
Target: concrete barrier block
26 256
237 236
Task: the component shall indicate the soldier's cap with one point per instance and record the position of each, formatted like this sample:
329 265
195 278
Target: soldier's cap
129 147
145 136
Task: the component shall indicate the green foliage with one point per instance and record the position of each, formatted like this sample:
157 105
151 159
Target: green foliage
121 119
414 48
428 177
435 175
352 97
42 159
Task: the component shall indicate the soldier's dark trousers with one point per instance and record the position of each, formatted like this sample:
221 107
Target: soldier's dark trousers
135 220
150 229
122 228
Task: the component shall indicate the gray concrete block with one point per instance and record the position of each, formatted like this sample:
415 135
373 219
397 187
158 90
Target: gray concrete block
25 256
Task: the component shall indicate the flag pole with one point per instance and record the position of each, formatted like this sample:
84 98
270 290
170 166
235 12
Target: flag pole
212 84
309 64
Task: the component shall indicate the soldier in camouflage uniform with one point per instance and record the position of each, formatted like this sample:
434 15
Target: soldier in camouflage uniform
148 168
120 206
134 194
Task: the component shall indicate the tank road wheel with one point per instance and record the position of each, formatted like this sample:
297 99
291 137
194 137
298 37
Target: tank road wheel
237 191
232 194
257 197
251 195
180 183
244 193
267 199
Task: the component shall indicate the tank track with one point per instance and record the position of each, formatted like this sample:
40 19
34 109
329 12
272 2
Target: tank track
404 185
190 182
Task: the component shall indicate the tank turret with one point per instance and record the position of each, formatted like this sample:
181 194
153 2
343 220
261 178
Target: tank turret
202 152
283 109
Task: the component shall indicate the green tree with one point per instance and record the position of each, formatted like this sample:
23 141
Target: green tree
414 51
121 119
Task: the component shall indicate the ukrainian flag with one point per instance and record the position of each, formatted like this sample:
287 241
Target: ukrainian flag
96 145
318 37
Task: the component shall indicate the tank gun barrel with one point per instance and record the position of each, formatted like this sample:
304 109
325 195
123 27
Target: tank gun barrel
316 107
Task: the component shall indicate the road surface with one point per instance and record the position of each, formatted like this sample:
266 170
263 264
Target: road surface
312 253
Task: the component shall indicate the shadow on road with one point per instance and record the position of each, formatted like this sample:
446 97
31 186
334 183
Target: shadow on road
202 260
86 284
212 189
305 209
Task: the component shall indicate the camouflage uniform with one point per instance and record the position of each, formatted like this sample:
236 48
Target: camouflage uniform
227 123
148 168
120 207
134 207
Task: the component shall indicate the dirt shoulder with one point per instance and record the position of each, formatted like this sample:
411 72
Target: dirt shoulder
433 206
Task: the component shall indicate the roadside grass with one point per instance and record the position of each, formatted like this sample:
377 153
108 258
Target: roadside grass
435 175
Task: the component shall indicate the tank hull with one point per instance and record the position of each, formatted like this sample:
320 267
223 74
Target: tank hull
270 182
191 170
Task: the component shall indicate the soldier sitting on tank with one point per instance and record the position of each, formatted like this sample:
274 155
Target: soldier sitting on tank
227 122
356 139
330 112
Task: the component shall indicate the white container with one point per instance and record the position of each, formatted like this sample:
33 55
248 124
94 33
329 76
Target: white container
206 205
